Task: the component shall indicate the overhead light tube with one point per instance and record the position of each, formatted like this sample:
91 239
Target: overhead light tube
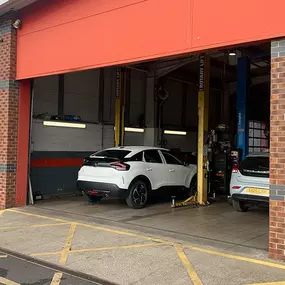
64 124
177 133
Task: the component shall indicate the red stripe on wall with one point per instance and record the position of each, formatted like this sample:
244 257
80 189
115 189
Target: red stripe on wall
57 162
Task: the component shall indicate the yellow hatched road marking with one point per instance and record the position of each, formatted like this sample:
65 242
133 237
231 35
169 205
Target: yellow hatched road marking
92 227
188 266
102 248
33 226
117 247
67 246
56 278
237 257
8 282
269 283
231 256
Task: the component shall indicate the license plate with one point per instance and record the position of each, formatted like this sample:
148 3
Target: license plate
257 191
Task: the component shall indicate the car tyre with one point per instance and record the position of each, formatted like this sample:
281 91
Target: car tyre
138 194
192 190
239 206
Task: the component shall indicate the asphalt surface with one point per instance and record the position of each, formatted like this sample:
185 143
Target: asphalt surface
15 270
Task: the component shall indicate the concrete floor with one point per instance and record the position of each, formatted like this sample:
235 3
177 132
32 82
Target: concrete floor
217 224
157 245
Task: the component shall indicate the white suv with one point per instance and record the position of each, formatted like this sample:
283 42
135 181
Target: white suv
250 182
132 172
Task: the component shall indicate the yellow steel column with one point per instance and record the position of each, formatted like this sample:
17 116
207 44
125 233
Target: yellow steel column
203 106
119 106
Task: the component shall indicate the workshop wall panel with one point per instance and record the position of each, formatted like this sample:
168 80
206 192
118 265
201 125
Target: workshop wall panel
46 95
172 115
137 97
81 94
109 95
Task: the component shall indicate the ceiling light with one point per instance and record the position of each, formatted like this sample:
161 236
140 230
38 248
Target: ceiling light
177 133
64 124
232 53
134 130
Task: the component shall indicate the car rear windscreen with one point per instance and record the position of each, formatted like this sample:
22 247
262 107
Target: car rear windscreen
113 153
255 166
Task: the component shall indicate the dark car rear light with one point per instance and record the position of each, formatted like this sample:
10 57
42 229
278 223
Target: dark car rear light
235 169
118 165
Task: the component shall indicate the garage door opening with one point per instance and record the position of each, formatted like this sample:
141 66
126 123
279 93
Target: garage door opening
160 109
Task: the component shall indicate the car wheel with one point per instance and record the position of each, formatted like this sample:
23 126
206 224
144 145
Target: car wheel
94 198
138 194
192 190
239 206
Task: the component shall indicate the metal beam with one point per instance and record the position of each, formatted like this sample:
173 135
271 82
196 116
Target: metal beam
203 107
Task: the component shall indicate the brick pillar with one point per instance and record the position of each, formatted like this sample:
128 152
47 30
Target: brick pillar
277 152
9 96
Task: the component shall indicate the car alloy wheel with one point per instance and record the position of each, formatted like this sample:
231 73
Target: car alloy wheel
140 194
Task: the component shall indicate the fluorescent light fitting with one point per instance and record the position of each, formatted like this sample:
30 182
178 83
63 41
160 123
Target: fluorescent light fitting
64 124
232 53
177 133
134 130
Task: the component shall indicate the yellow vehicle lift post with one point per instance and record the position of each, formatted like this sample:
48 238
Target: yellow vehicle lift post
203 110
203 105
120 106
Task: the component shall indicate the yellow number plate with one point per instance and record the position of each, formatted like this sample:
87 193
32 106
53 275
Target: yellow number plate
257 191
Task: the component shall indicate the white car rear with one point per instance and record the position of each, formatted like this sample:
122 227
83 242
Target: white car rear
131 172
250 181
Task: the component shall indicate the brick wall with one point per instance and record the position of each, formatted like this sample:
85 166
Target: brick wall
277 152
9 91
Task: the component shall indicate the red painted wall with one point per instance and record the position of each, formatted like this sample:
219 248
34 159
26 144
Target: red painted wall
23 143
61 36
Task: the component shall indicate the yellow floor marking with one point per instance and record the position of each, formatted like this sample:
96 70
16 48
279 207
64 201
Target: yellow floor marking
2 211
7 282
256 261
189 268
38 216
67 246
46 253
124 233
34 226
117 247
93 227
56 278
237 257
101 248
269 283
3 256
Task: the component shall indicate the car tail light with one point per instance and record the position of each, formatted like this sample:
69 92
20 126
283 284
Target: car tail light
236 187
120 166
235 169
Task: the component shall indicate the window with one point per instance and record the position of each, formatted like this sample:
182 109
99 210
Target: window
257 141
152 156
136 157
170 159
113 153
257 166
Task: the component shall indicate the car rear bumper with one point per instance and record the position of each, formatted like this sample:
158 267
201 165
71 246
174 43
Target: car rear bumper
249 198
101 189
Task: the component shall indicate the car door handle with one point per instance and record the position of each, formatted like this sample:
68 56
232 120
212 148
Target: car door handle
149 169
171 170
